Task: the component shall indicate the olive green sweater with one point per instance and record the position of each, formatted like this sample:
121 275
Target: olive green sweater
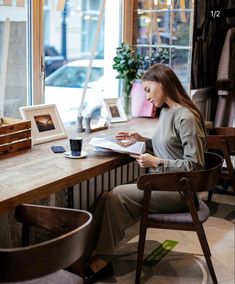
178 140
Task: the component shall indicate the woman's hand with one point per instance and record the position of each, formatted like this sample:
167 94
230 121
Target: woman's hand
132 136
146 160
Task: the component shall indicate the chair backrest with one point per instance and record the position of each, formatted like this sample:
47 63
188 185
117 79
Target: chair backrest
205 100
223 139
200 180
228 131
70 228
226 82
217 103
217 142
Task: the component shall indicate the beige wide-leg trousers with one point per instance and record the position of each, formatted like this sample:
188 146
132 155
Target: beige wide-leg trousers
116 210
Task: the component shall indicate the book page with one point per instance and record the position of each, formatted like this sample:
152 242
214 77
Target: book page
120 146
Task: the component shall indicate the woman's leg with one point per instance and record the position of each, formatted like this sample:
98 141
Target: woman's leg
116 210
113 212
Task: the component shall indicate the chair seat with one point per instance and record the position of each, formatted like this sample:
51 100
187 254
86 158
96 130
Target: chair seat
59 277
181 218
189 182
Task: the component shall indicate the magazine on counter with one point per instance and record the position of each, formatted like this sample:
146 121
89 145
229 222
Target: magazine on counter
120 146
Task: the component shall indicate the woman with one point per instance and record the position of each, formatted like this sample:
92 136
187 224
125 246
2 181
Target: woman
177 145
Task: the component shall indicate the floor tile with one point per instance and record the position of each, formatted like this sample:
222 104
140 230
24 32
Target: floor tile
185 263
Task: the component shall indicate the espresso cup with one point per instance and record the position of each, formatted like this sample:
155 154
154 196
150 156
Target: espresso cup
76 146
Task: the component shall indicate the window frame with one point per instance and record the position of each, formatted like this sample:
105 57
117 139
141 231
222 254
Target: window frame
129 21
130 30
37 54
37 72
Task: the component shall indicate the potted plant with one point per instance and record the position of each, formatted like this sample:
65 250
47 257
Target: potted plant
128 65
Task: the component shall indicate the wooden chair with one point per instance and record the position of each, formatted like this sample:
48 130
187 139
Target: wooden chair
217 103
44 262
188 183
222 140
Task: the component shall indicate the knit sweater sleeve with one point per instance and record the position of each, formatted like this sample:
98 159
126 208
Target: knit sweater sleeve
179 141
191 134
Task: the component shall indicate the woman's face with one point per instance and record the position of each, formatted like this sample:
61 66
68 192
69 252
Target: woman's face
154 93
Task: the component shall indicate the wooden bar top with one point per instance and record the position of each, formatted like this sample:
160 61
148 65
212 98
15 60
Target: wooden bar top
32 174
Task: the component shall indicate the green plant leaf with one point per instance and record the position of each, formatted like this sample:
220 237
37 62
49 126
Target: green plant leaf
128 64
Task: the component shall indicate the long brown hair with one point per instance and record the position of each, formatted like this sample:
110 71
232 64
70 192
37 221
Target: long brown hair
172 87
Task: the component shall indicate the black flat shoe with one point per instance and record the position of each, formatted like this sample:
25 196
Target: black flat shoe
92 277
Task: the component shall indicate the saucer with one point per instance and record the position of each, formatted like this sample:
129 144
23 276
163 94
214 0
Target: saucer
68 155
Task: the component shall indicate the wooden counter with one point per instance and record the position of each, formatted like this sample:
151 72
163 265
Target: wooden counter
33 174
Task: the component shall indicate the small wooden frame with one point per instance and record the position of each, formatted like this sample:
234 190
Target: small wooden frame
15 135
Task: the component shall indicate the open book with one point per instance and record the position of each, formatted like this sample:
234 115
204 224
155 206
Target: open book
120 146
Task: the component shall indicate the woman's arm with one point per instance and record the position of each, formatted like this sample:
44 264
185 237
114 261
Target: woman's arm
134 136
192 136
147 160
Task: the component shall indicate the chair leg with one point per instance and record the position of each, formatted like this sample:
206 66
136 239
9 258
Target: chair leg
141 246
207 254
209 197
233 183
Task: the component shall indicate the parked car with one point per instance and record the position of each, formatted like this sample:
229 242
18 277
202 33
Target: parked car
64 87
53 60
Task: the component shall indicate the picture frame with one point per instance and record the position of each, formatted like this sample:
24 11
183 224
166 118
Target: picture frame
46 124
115 110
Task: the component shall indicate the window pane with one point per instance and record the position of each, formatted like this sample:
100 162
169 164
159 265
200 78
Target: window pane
144 28
181 28
144 4
69 37
13 58
161 28
164 33
154 4
182 4
73 77
154 54
180 64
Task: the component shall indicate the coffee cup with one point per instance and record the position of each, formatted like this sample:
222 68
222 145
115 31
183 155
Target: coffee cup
76 146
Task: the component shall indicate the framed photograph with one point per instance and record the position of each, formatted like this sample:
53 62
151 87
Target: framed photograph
115 110
46 124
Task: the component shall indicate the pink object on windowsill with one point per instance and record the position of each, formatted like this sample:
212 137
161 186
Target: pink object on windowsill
139 105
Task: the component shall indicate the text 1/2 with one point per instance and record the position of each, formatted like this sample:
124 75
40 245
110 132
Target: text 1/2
215 14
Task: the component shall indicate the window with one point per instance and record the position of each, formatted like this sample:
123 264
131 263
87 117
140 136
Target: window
20 55
14 53
69 39
73 76
89 20
164 27
38 33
